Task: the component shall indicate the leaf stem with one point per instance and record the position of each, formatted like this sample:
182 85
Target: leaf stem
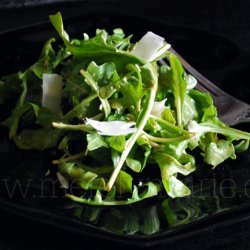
130 143
165 140
231 132
95 87
78 127
73 112
70 158
179 112
169 125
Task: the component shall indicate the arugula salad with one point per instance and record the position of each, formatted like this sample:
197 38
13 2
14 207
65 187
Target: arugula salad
113 111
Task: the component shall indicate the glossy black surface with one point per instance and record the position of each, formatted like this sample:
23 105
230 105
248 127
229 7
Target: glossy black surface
220 198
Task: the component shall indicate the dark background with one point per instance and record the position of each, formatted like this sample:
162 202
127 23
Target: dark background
225 17
228 18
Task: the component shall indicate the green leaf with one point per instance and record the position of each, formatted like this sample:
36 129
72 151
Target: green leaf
151 190
175 188
86 179
19 109
81 110
116 142
169 167
216 126
13 121
169 213
151 224
94 86
204 105
242 146
39 139
189 110
140 124
48 60
105 76
123 183
45 117
97 48
167 115
132 91
133 164
95 141
102 74
143 143
216 153
177 85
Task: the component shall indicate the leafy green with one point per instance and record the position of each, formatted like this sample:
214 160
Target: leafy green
39 139
178 85
151 190
169 167
119 115
97 48
95 141
216 153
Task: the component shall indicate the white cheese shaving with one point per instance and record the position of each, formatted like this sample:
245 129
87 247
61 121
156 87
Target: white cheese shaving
112 128
191 81
150 47
52 92
47 173
195 128
158 108
63 181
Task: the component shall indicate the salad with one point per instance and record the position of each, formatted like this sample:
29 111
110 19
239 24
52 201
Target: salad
113 111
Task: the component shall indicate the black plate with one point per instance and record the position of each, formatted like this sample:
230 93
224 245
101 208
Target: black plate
218 199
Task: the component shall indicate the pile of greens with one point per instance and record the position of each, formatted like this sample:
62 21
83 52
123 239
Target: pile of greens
113 111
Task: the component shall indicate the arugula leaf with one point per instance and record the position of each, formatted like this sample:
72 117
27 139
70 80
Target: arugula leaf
123 182
241 146
216 126
216 153
168 116
151 190
118 113
189 110
95 48
39 139
86 179
95 141
169 167
94 86
117 142
134 164
13 121
81 110
45 117
204 105
49 59
178 85
132 90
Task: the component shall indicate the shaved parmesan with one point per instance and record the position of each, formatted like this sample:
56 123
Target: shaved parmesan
158 108
63 181
150 47
196 129
112 128
52 92
190 80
